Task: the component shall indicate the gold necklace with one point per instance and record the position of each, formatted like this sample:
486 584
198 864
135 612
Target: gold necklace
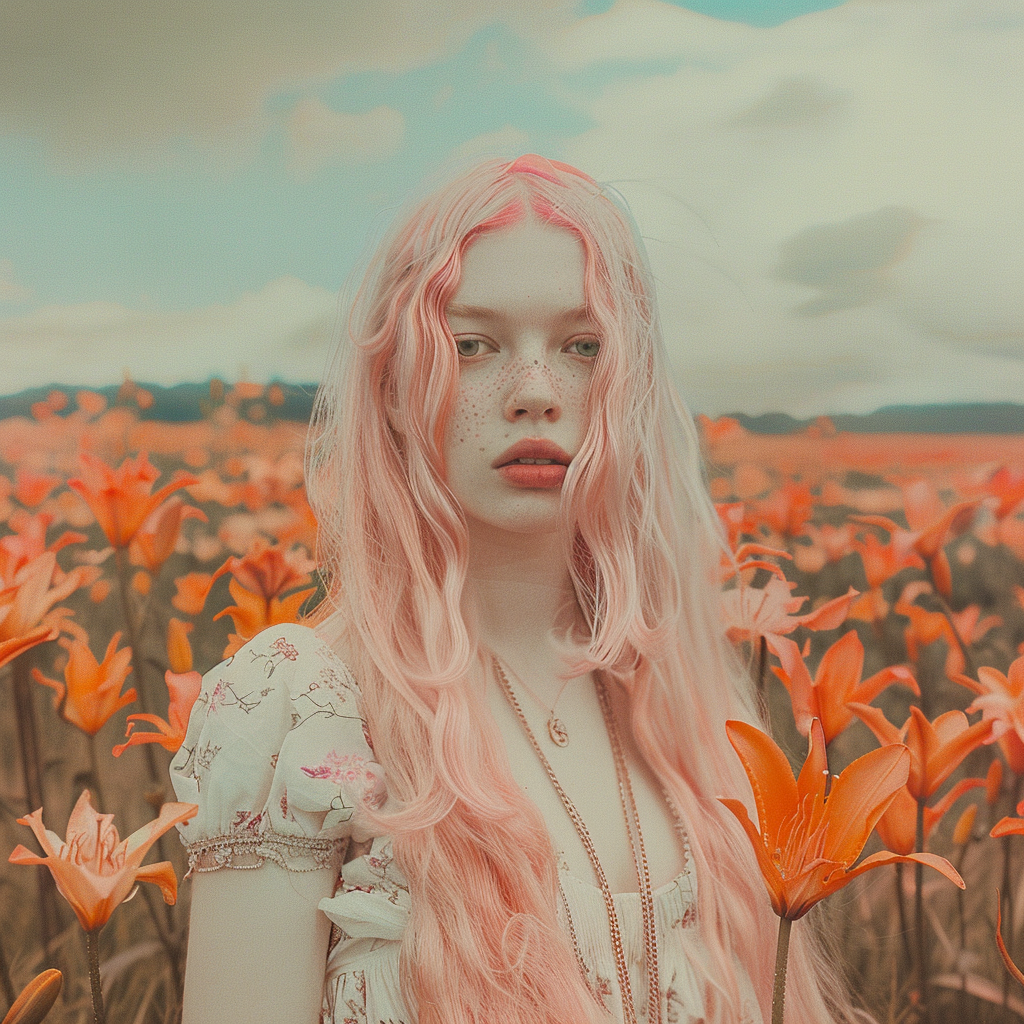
557 731
636 844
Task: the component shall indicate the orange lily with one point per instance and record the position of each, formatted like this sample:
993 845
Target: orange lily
91 691
897 827
183 688
881 562
1007 490
813 828
734 519
32 489
267 571
190 592
95 870
1009 826
154 543
931 528
179 650
12 647
1001 702
750 614
253 612
27 615
786 510
936 748
120 498
924 628
836 683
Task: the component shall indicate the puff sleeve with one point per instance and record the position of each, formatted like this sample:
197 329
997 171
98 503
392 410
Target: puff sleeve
277 757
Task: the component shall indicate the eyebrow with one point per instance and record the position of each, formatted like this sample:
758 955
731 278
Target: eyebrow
485 313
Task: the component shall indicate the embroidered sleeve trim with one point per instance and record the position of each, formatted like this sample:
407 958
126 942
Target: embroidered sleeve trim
294 853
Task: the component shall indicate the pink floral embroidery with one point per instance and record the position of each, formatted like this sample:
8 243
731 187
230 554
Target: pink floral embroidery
351 771
283 647
246 821
218 696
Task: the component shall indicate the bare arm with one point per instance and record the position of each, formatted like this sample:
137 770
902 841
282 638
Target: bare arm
257 946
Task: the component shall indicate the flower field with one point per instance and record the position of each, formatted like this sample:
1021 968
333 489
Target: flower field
876 595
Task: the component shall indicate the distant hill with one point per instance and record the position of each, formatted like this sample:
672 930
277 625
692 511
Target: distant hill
997 418
181 403
186 402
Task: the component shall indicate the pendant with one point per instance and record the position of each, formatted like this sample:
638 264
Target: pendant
557 732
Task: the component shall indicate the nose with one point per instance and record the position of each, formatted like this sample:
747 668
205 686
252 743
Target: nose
532 394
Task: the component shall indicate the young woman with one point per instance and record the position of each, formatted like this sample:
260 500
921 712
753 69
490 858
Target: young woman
506 721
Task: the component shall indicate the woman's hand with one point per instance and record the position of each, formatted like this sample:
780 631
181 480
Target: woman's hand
257 946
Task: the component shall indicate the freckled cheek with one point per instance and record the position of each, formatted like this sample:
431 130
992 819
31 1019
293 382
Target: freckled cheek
470 410
571 387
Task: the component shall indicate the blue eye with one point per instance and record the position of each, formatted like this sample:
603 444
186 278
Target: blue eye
588 347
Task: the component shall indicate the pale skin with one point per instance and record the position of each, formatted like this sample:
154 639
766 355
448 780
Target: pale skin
257 944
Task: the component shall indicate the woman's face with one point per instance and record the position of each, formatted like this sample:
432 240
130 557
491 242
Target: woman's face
526 357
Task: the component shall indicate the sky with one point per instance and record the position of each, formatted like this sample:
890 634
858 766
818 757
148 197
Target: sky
830 193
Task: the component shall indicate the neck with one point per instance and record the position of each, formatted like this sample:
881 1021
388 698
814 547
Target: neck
517 588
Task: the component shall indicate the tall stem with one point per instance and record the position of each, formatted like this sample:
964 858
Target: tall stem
92 945
94 771
28 741
5 978
901 909
962 998
919 932
171 948
781 962
1007 891
762 680
132 632
969 667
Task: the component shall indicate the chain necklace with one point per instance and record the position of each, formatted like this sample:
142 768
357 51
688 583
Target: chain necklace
636 844
557 731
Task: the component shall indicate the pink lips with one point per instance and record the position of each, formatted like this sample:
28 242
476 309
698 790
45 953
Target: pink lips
532 475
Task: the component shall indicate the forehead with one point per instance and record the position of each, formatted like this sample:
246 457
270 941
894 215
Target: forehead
528 262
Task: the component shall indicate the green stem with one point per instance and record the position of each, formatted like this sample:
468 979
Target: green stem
171 948
762 680
919 932
94 771
969 667
962 997
28 741
132 632
901 909
5 978
781 962
1007 891
92 946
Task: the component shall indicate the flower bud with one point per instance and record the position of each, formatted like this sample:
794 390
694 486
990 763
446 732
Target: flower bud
36 999
994 782
179 651
965 825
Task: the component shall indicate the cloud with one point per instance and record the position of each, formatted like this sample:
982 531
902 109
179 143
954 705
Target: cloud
283 330
136 79
798 102
319 136
832 206
846 262
10 289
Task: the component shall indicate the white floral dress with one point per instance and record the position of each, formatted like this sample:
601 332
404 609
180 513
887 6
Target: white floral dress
280 763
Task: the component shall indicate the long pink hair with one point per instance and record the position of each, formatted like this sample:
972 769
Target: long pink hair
642 543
